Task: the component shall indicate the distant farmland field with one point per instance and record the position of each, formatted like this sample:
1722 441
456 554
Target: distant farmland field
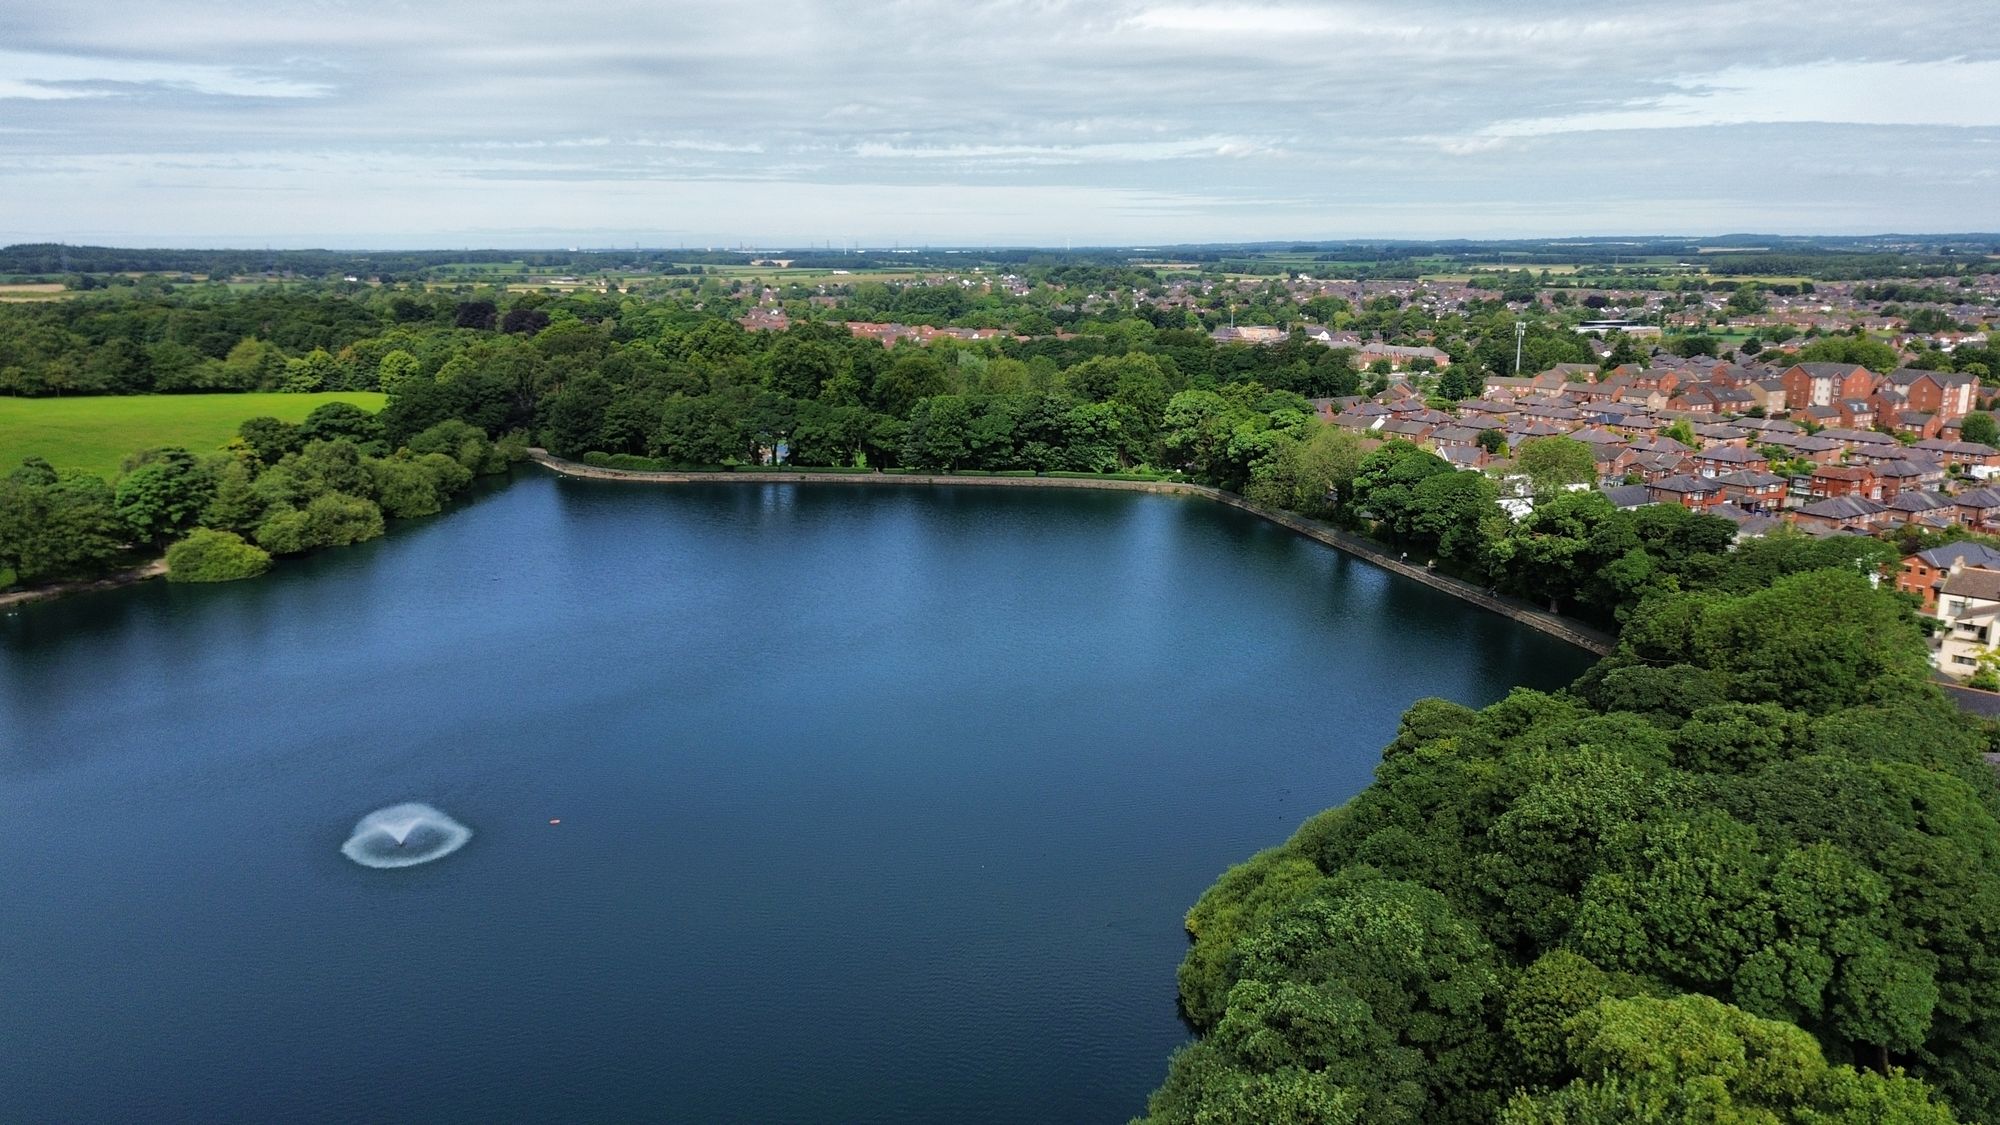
95 433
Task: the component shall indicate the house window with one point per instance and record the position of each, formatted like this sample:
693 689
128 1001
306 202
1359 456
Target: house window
1965 660
1954 606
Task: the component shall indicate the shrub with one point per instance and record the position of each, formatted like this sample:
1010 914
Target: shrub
332 520
207 555
405 488
335 520
284 533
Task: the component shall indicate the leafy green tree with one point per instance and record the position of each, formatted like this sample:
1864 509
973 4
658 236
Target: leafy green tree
1386 486
208 555
466 444
236 505
1695 1059
396 369
340 421
1872 354
1557 549
331 466
163 493
1310 476
1747 300
939 430
914 376
575 416
269 439
56 526
1814 641
1979 426
1556 463
1456 511
335 520
314 371
406 489
1550 993
1204 1089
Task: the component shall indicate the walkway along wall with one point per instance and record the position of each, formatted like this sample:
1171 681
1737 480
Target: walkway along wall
1582 636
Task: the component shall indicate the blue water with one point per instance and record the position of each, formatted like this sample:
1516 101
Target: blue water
878 805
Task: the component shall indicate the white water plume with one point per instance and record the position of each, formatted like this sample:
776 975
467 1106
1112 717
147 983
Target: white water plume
404 836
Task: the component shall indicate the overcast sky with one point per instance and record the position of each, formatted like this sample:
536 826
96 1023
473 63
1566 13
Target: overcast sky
381 123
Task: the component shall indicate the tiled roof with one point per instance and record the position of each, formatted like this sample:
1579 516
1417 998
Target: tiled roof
1842 508
1973 582
1973 554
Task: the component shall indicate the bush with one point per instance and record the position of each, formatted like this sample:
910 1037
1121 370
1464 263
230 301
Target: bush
406 489
284 533
207 555
629 462
452 477
332 520
335 520
462 442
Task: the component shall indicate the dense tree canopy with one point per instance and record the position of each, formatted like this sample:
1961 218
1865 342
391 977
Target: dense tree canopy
1748 869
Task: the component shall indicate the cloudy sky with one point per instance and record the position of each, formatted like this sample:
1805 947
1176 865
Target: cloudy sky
383 123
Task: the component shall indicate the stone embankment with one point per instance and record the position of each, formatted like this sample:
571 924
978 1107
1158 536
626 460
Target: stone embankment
1563 629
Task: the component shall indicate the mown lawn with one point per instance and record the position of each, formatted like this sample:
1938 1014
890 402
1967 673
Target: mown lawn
97 432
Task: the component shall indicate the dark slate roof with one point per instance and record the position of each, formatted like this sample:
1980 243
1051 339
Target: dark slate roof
1973 554
1730 455
1919 502
1628 495
1842 508
1749 524
1749 478
1899 468
1684 484
1904 376
1962 448
1980 498
1855 437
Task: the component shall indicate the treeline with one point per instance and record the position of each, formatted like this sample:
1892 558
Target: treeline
1746 869
1573 551
279 489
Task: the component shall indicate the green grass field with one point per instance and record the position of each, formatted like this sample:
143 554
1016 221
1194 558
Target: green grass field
96 433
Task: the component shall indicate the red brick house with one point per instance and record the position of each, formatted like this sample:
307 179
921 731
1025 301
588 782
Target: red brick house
1717 460
1694 493
1979 509
1842 513
1923 572
1858 413
1824 384
1829 481
1754 490
1932 392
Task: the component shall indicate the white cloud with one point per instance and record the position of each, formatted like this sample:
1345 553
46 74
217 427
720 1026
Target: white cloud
1955 93
1305 118
1193 147
43 76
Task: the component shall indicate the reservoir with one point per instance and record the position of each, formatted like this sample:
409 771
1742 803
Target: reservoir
876 804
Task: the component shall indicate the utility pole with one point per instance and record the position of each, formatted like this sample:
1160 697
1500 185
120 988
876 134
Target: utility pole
1520 334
